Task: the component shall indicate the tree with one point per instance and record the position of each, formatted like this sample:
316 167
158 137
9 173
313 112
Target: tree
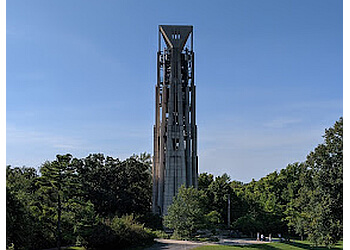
23 208
299 192
326 162
18 221
248 223
185 215
220 191
204 181
114 186
213 219
215 198
57 185
97 175
145 158
317 208
75 201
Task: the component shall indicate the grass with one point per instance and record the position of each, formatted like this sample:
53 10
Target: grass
296 245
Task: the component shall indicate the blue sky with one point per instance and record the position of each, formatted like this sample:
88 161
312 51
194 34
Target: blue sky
81 77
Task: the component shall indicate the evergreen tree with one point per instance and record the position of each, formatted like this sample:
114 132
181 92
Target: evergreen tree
58 184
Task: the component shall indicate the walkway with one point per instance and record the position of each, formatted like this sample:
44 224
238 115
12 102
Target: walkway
164 244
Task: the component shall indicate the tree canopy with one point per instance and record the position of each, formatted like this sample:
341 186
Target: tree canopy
94 201
73 200
303 199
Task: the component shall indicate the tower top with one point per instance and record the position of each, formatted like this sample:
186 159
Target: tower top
175 36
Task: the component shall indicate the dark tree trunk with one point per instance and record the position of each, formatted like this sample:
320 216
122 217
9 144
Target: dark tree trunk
59 223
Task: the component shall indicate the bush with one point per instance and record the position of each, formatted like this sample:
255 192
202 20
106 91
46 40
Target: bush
161 234
120 232
101 237
131 232
151 220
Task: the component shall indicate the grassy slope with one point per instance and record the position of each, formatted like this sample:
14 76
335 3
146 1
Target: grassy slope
298 245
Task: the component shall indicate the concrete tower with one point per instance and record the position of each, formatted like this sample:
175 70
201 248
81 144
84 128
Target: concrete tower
175 160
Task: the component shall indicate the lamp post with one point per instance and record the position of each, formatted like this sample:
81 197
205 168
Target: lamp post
228 211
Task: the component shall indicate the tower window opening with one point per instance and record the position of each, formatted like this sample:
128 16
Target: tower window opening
176 143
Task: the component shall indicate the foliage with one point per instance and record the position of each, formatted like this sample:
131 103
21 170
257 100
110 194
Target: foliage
248 223
318 206
295 245
185 215
71 199
303 199
144 158
23 228
215 198
87 201
131 232
120 231
213 219
151 220
220 191
101 237
17 221
114 186
58 185
161 234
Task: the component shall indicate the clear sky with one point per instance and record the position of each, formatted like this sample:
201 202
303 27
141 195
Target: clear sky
81 77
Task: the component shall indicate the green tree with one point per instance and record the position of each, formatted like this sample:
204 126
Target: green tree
97 175
299 192
317 208
249 224
204 181
213 219
145 158
18 222
219 192
114 186
326 162
186 214
57 185
24 229
75 200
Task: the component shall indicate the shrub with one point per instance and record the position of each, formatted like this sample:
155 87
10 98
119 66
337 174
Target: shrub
119 233
161 234
131 232
101 237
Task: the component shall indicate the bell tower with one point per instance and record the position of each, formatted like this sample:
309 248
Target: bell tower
175 160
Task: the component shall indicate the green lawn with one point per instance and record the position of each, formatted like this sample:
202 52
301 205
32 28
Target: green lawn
297 245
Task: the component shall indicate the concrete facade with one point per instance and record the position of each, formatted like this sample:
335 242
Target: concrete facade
175 160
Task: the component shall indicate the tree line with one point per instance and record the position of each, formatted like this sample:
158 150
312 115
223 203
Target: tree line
100 202
97 202
304 199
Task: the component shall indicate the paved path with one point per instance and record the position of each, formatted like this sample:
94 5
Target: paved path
164 244
241 242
